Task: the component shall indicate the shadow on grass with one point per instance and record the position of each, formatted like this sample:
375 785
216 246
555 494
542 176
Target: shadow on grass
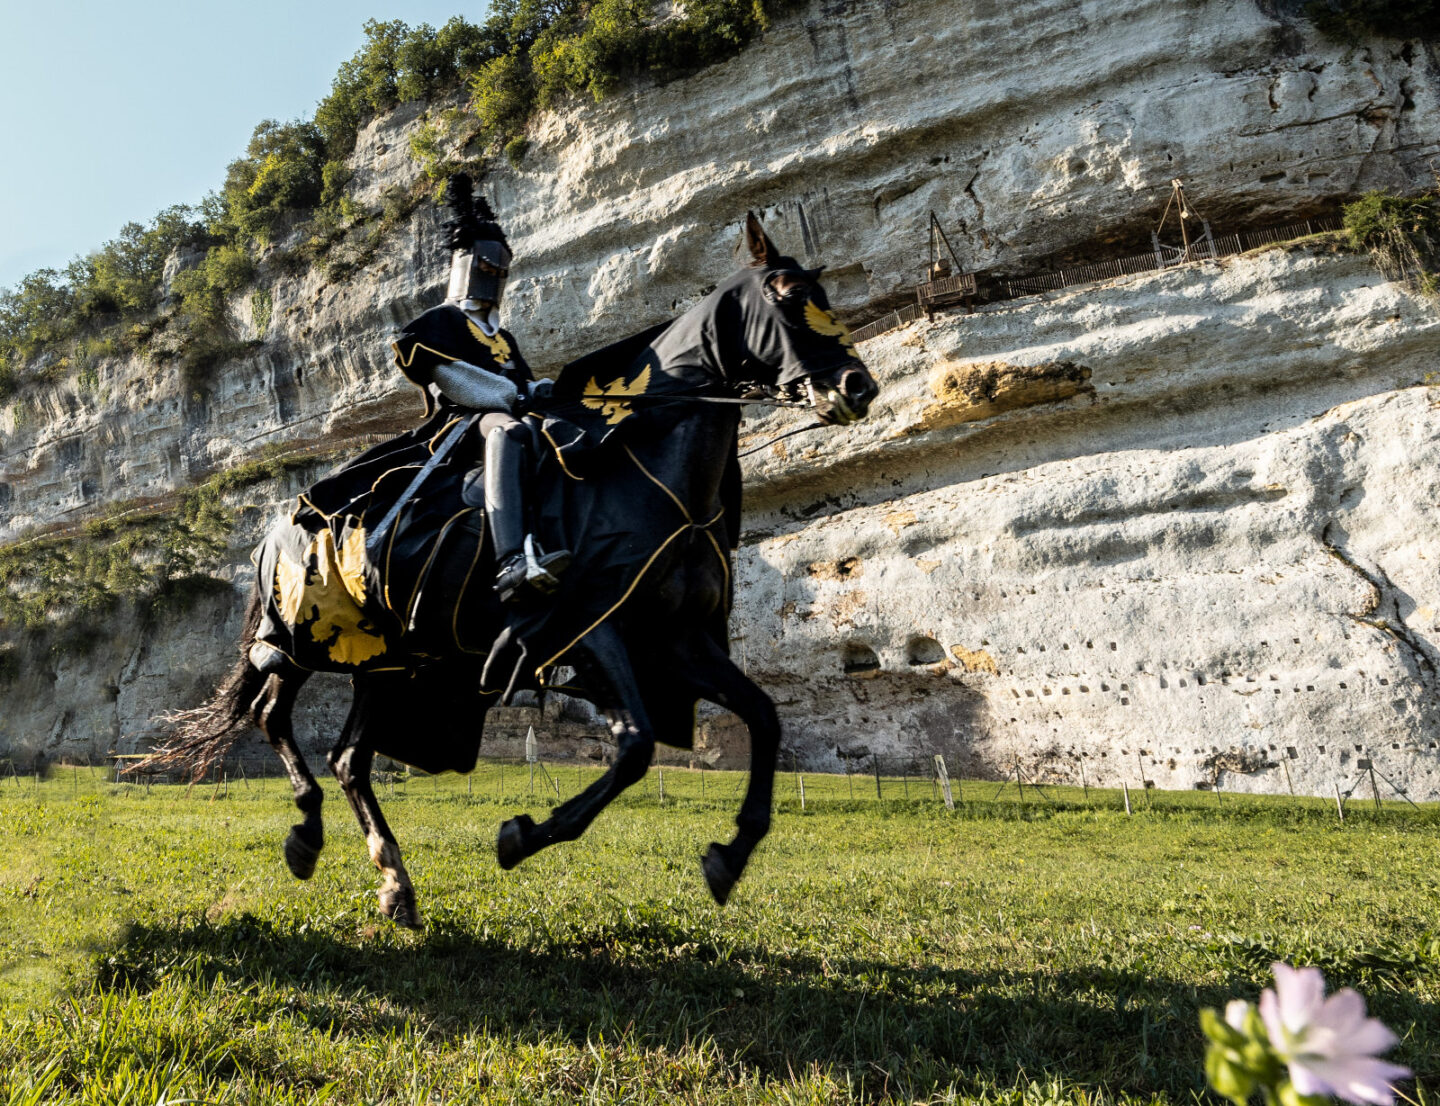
910 1027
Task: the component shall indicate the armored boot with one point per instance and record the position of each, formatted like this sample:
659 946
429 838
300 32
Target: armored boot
524 568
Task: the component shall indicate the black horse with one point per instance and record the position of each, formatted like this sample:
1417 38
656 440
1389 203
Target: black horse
646 639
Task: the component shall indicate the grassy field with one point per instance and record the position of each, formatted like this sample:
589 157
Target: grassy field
1029 948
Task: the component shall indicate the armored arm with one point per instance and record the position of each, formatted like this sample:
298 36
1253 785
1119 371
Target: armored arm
471 386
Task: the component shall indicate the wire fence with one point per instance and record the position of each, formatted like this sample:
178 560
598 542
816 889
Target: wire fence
905 783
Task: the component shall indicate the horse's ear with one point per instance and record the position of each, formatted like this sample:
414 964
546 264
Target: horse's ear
762 251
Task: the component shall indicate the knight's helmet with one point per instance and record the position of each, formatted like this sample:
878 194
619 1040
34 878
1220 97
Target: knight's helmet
479 255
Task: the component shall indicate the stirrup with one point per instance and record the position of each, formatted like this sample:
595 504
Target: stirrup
532 570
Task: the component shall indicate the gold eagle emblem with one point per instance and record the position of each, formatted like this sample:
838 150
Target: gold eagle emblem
611 400
497 345
822 322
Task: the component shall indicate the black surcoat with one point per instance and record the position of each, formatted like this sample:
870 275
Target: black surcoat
444 334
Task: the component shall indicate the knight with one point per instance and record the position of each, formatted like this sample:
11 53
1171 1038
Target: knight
460 356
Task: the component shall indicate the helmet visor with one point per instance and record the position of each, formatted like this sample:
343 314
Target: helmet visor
479 273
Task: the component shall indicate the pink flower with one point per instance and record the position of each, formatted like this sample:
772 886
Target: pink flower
1328 1044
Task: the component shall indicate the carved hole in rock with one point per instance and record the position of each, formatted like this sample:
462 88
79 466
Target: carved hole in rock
858 658
924 650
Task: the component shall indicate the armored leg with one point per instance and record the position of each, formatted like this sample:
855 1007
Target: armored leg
523 566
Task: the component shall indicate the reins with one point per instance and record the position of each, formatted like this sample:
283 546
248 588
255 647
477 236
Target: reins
779 437
678 397
699 397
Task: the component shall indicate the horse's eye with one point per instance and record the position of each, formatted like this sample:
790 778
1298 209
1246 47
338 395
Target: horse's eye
787 289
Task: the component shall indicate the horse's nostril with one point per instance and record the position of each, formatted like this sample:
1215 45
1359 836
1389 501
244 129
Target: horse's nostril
857 386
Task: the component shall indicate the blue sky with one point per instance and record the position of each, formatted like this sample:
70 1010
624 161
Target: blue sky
112 111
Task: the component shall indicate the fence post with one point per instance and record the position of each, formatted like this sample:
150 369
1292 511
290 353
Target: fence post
1125 787
944 777
878 794
1339 805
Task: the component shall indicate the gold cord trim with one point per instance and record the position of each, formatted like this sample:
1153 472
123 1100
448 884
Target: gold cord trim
675 499
560 456
425 569
430 445
633 584
465 587
405 362
305 499
724 564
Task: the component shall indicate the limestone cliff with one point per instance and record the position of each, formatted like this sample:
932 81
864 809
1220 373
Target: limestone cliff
1173 526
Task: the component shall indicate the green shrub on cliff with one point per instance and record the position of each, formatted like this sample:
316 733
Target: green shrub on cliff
131 554
1349 20
1402 233
98 298
563 47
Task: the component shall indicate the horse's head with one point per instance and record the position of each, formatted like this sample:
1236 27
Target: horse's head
790 336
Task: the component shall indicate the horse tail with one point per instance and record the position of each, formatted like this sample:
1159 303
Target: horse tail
199 737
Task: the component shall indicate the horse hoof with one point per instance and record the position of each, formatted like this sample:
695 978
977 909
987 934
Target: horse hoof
399 906
510 845
717 873
300 855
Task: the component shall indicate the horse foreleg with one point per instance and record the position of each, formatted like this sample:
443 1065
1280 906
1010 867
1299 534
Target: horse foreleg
272 712
607 668
351 761
715 677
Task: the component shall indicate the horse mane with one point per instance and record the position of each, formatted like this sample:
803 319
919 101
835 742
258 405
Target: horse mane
604 362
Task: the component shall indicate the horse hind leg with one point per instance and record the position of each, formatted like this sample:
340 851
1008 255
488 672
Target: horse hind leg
272 710
351 760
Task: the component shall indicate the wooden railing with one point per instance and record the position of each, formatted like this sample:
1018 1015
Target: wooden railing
950 290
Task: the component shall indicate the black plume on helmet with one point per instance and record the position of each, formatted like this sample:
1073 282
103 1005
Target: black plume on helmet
473 219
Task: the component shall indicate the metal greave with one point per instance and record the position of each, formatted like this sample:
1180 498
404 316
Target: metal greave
505 459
